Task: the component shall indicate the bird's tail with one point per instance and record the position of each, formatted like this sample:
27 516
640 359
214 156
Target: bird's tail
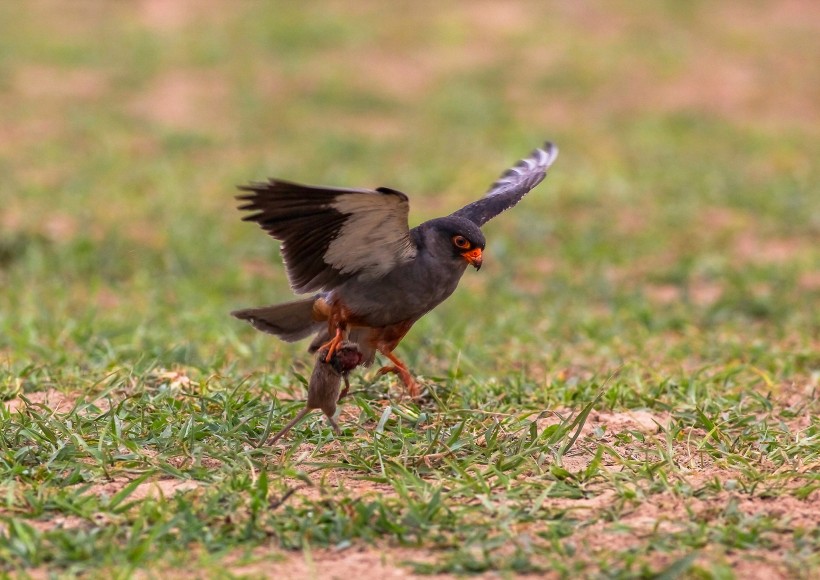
290 321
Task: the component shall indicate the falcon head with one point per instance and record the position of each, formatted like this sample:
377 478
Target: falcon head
453 239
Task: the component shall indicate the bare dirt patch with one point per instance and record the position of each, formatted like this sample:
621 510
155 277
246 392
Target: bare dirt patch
612 422
169 15
186 100
751 248
54 400
326 481
353 562
671 514
161 488
39 81
149 489
810 281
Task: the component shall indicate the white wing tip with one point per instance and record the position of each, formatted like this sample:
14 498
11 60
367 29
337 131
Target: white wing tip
547 154
539 160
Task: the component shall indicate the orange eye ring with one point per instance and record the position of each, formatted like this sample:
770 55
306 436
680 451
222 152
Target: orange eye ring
461 242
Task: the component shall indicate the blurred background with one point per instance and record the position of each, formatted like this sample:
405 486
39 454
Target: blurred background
680 225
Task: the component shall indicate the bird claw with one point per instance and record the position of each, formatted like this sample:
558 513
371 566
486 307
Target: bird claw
409 382
332 345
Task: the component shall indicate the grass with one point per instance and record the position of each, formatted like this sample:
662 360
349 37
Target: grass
628 388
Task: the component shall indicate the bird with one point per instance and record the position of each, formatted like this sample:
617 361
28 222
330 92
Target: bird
369 275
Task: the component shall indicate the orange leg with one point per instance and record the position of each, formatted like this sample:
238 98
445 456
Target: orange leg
401 369
337 320
333 344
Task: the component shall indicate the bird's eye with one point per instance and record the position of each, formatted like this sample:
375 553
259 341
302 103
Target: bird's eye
461 242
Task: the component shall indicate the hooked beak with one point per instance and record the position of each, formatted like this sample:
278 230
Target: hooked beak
473 257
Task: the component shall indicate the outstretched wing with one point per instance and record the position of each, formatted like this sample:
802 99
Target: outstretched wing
511 186
329 235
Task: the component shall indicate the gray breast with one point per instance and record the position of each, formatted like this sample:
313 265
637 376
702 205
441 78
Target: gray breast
406 293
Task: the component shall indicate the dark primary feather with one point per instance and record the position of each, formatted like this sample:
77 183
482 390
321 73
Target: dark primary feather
304 221
330 234
511 186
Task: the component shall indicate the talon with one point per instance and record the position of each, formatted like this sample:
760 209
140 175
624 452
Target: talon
412 386
333 345
404 374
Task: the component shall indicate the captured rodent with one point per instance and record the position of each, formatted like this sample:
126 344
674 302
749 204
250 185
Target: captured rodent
324 386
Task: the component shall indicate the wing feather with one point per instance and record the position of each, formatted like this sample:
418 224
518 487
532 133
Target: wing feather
511 186
330 234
